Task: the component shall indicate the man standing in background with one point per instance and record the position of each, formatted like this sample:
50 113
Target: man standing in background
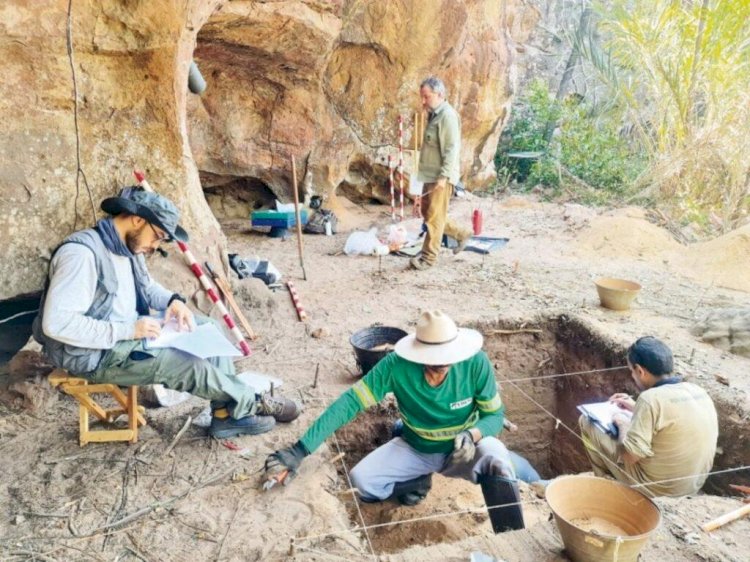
439 171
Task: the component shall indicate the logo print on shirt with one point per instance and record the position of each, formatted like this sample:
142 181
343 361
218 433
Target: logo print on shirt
461 404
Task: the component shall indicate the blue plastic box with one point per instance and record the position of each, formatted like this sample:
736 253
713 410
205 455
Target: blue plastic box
278 219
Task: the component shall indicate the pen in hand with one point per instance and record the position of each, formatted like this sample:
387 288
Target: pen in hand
147 328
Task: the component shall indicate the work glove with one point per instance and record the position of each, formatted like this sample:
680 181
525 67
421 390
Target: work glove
288 459
463 449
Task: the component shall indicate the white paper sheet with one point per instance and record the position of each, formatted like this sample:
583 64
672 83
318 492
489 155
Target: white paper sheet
204 341
601 413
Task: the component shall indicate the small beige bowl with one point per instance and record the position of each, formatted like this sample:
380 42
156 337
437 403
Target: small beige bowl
616 294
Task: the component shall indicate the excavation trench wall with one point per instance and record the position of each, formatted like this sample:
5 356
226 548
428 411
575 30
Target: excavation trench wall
545 367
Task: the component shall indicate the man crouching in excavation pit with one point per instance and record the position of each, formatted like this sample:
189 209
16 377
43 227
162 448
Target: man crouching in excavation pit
451 410
670 442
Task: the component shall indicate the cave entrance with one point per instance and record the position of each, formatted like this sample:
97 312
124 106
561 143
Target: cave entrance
527 361
232 197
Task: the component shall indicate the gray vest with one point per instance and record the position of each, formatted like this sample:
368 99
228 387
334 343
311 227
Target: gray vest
81 360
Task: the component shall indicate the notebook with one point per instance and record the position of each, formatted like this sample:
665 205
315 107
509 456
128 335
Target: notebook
204 341
601 413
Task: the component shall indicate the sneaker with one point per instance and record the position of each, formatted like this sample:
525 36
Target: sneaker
224 428
419 264
282 409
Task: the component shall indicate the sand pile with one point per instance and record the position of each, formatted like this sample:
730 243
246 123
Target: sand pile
626 233
724 261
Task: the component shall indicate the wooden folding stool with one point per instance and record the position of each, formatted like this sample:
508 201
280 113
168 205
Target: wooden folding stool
82 391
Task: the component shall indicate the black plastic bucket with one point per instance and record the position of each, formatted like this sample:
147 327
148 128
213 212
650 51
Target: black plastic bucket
499 491
364 340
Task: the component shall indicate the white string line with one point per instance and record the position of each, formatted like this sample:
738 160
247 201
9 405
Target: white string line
484 508
365 528
558 421
541 377
9 318
746 467
354 495
642 486
481 509
326 554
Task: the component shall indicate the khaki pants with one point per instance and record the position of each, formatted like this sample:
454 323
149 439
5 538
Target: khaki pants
129 363
604 454
435 212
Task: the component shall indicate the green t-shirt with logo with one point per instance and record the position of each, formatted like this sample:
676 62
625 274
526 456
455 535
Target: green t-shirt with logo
432 416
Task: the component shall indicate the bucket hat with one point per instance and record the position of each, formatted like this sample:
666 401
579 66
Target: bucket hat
152 207
438 341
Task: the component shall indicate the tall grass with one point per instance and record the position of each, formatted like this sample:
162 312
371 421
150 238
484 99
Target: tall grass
682 70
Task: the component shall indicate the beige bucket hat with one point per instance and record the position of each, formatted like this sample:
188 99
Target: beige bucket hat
438 341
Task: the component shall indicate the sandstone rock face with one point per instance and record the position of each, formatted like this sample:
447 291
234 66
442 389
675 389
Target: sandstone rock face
130 62
326 81
321 80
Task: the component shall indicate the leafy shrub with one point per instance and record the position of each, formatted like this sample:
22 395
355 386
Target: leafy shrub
585 151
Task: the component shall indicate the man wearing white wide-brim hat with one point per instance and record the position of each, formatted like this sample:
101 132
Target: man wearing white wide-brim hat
451 410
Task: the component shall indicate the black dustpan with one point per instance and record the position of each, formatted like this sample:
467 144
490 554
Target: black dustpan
499 491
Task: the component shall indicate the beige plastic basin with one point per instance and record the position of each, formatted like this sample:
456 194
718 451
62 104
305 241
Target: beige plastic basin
601 520
616 294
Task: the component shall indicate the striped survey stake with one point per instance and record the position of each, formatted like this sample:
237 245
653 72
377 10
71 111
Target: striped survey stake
401 163
390 184
198 271
295 300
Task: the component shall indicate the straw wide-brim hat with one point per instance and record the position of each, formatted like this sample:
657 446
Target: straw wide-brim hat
438 341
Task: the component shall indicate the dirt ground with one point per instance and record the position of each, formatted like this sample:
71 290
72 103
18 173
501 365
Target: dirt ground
201 501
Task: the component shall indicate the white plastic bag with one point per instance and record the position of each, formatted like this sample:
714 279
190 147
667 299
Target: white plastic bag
396 235
364 243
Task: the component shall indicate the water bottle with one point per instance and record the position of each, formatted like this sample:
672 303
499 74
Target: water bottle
476 221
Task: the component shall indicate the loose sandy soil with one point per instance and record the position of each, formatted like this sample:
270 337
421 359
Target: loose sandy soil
201 501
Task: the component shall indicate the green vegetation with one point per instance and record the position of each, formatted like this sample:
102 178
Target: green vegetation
675 127
586 151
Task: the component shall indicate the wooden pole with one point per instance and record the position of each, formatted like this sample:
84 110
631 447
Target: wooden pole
297 218
226 289
726 518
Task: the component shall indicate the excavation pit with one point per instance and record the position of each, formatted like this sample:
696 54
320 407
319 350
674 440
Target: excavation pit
528 363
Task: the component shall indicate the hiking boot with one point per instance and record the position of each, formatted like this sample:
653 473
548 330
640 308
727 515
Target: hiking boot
224 428
412 498
419 264
413 491
282 409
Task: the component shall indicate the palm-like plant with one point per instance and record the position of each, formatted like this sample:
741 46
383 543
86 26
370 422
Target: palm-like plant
682 72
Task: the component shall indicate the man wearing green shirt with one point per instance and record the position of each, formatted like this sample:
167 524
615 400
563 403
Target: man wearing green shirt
451 411
439 170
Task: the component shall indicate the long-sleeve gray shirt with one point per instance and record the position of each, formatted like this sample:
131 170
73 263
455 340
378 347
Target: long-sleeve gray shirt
71 293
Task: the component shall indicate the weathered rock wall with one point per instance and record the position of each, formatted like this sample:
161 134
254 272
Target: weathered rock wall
130 61
325 82
320 80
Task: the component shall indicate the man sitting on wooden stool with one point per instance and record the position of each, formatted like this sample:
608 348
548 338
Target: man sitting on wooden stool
93 317
670 442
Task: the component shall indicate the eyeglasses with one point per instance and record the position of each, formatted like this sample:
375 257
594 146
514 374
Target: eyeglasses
159 237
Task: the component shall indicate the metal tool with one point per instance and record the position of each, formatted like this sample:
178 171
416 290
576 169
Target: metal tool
276 479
